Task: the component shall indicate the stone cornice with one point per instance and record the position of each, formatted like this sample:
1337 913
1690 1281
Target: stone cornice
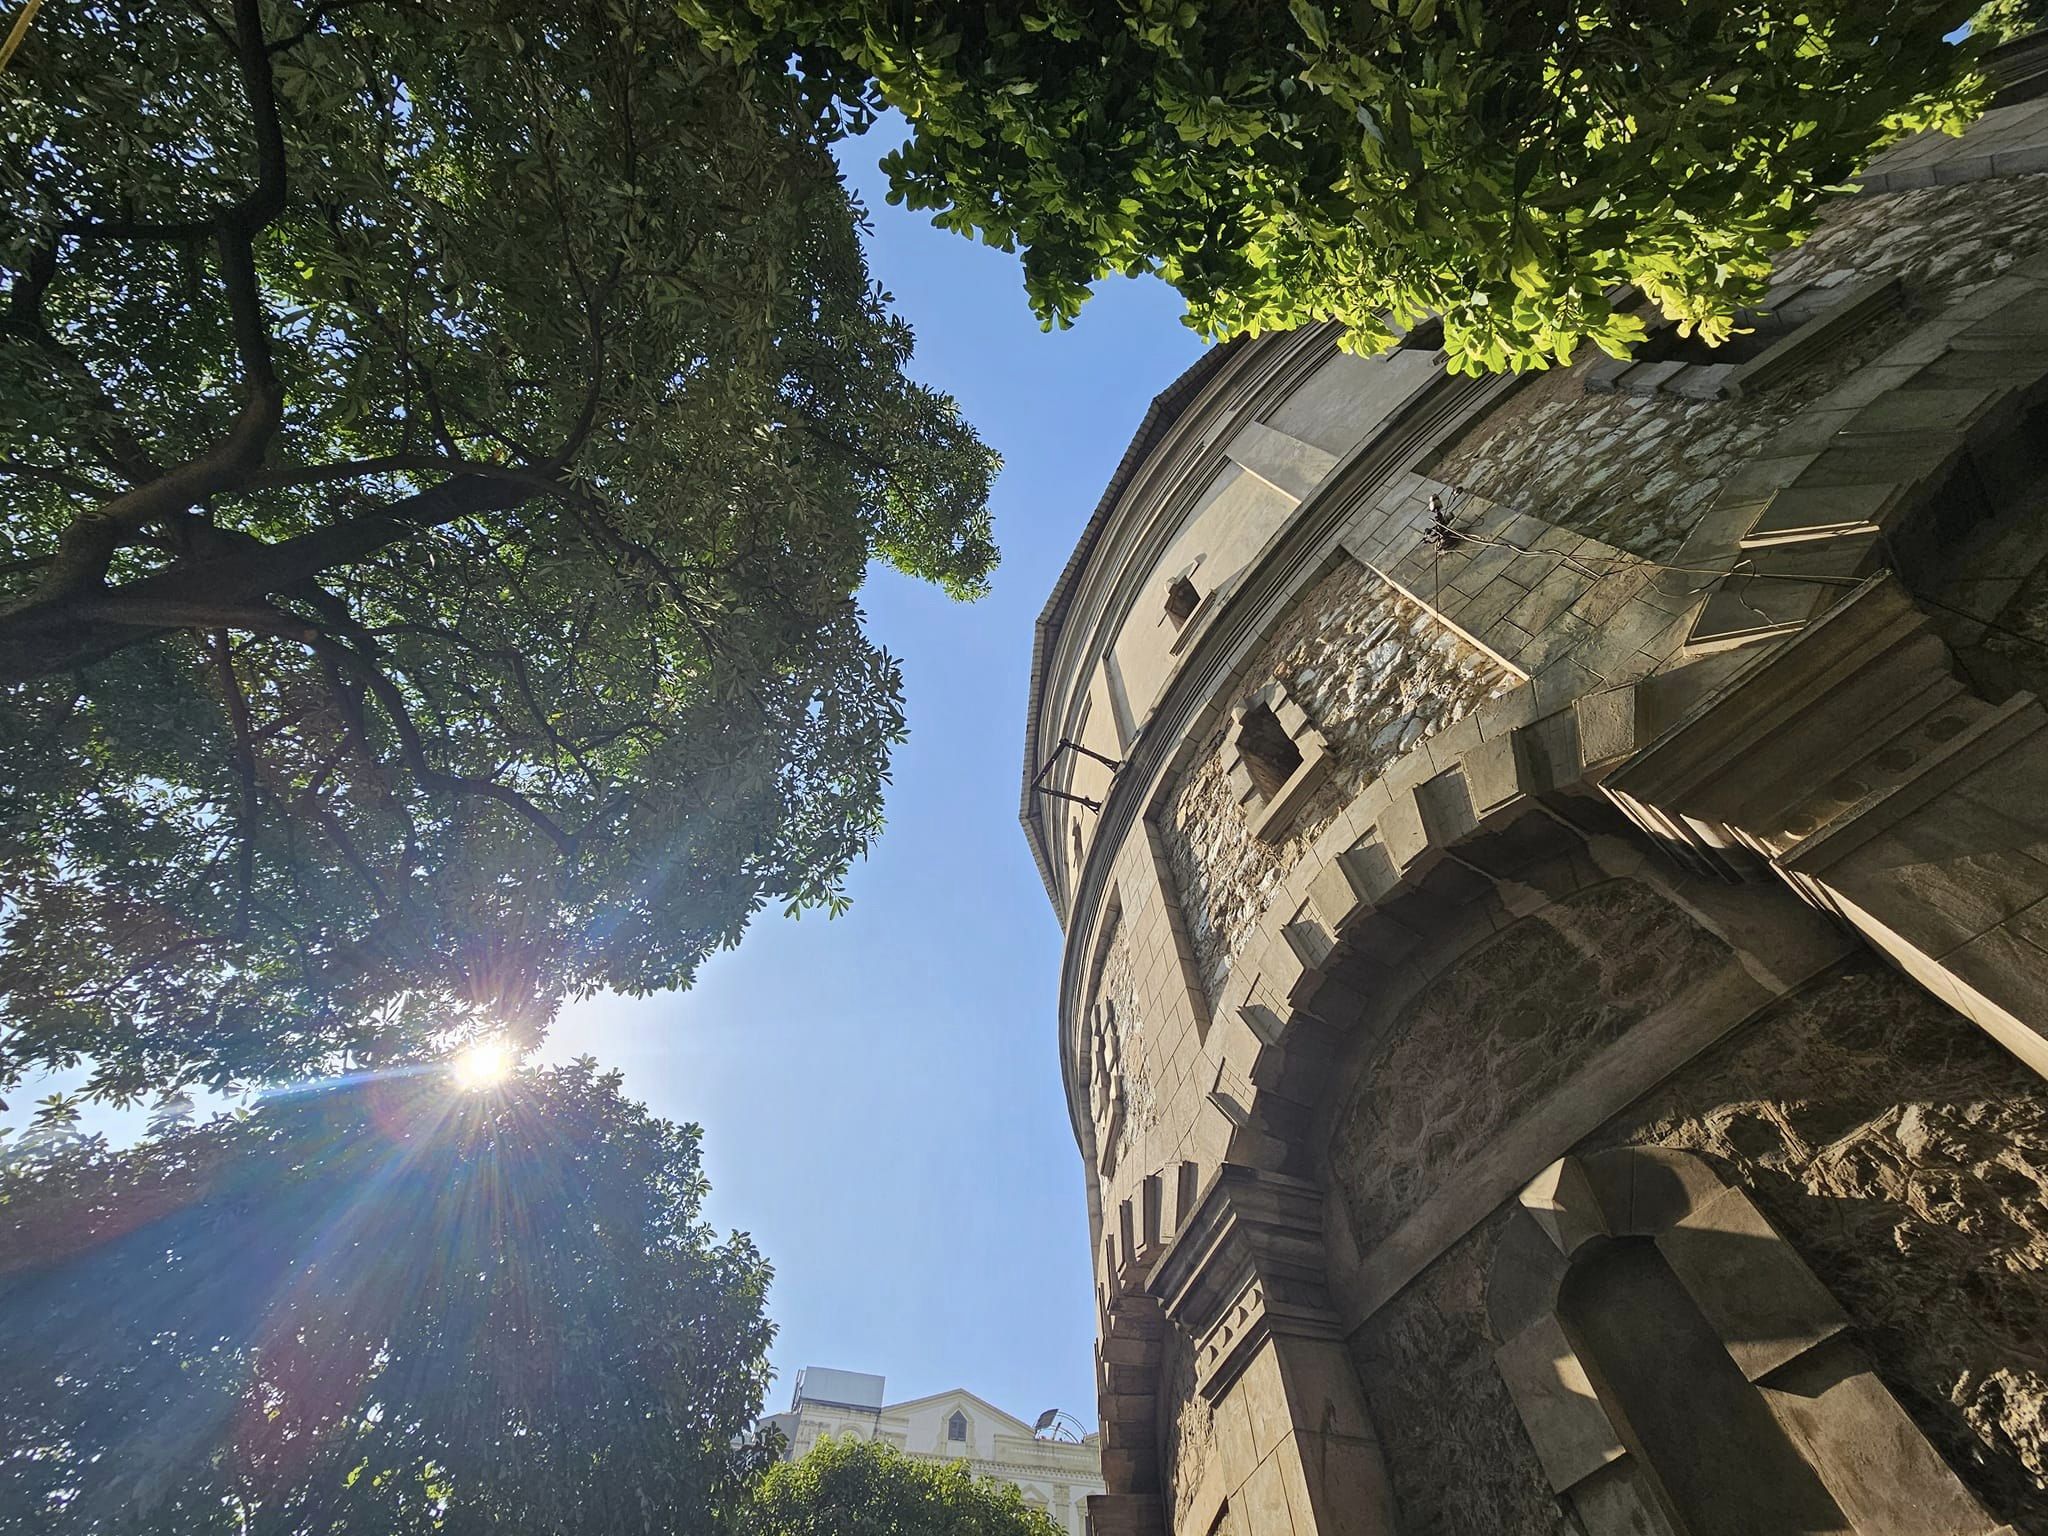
1179 449
1437 409
1248 1265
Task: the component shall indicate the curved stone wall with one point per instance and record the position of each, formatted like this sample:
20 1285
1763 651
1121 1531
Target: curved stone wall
1637 472
1376 675
1499 1031
1447 838
1904 1158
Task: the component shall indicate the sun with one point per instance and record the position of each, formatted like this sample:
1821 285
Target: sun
483 1065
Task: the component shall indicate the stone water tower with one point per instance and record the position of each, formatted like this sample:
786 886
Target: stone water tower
1555 883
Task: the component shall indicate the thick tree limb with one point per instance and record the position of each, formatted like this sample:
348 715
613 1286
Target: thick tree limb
228 591
87 546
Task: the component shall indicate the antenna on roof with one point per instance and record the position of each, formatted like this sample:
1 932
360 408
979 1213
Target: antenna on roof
1064 1426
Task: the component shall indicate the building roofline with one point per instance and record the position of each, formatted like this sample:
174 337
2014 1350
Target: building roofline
1160 417
975 1397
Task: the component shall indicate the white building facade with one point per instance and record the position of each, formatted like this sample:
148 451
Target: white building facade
1054 1475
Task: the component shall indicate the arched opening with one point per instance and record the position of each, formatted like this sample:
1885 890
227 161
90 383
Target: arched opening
956 1429
1701 1431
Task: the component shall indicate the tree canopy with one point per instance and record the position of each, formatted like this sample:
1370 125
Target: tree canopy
2007 21
442 445
848 1487
383 1306
1507 163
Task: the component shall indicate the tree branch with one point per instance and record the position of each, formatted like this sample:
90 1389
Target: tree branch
412 747
245 773
228 591
46 475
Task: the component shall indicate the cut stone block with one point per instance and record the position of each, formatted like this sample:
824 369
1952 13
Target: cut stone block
1573 1435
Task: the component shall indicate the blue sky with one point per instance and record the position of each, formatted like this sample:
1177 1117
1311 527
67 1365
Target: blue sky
880 1093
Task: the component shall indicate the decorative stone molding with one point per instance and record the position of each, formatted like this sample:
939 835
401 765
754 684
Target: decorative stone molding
1845 488
1125 1514
1297 1455
1883 790
1247 1265
1779 1325
1131 1344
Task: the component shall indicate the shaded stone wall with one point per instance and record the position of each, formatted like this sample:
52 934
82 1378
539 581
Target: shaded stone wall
1902 1155
1118 994
1187 1431
1460 1462
1376 674
1497 1032
1637 472
1905 1156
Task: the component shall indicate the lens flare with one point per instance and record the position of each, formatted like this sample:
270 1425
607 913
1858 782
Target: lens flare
483 1065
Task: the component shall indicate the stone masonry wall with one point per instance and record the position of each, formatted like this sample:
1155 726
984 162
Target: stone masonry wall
1376 674
1900 1152
1460 1461
1497 1032
1637 472
1118 994
1187 1431
1905 1156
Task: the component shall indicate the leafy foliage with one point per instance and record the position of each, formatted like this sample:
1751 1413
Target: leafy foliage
2006 21
384 1307
1508 163
848 1487
442 446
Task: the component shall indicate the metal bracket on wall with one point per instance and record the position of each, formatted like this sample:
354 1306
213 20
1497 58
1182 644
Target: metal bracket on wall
1068 744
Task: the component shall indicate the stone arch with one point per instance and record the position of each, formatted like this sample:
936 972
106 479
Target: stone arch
1637 1250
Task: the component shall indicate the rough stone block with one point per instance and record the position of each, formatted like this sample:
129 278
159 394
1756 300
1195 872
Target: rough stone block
1401 830
1446 807
1549 748
1307 937
1264 1394
1338 895
1126 1514
1648 378
1522 1285
1607 724
2002 984
1266 1510
1323 1394
1495 774
1808 512
1612 1499
1701 381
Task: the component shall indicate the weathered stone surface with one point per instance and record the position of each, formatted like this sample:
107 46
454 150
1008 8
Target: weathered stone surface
1637 473
1905 1157
1439 1403
1187 1434
1497 1032
1375 674
1131 1084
